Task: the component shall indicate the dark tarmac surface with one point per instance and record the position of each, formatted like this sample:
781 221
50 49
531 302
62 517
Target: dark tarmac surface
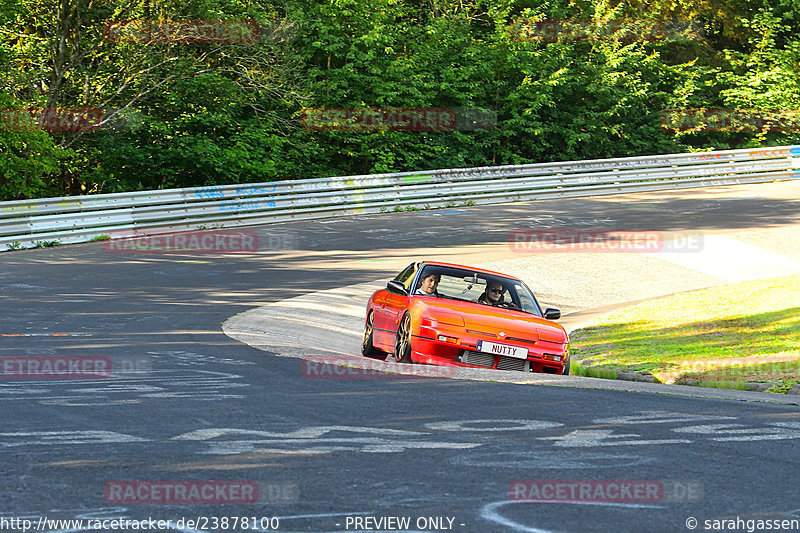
184 402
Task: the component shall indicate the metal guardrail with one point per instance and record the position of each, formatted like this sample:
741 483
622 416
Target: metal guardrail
73 219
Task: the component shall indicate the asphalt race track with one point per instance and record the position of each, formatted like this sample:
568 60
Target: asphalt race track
184 403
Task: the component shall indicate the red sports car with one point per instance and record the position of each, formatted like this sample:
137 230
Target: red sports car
445 314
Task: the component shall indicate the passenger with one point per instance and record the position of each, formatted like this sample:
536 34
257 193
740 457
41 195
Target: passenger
427 287
493 295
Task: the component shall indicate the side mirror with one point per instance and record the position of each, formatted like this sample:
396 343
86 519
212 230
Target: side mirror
396 287
552 314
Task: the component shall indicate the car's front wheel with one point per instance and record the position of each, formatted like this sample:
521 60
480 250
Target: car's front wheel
367 348
402 343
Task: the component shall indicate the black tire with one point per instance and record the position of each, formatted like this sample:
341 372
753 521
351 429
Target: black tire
367 348
402 342
566 367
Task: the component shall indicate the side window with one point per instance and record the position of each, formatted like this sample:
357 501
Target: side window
429 270
407 275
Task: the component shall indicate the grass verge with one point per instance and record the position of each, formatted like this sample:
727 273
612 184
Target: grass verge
722 337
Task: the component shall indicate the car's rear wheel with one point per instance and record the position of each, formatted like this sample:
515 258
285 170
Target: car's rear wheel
367 348
402 343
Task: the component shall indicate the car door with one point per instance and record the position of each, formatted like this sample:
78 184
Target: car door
395 306
386 306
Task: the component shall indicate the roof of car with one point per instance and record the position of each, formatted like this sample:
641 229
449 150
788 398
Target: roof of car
476 269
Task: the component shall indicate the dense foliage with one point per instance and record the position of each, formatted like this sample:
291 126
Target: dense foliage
186 112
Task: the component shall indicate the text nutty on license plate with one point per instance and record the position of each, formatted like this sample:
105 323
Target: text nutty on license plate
502 349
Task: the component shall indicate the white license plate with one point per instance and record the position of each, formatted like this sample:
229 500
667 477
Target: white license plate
502 349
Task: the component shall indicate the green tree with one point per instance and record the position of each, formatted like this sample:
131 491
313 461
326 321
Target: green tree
63 54
765 79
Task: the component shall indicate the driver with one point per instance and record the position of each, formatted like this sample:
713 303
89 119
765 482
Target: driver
493 295
427 287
